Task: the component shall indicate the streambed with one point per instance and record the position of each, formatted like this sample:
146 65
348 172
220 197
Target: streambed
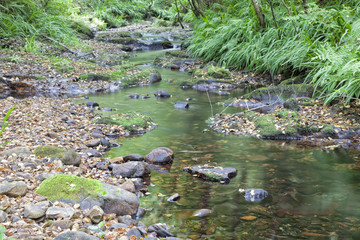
312 193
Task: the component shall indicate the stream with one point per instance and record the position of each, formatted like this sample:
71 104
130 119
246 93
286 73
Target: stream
312 193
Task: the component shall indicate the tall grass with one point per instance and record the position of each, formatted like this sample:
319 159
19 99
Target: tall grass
323 45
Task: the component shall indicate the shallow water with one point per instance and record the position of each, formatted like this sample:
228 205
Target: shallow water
312 193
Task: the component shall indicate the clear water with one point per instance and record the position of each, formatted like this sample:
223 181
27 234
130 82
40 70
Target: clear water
312 193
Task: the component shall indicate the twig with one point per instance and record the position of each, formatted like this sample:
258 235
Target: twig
51 39
212 112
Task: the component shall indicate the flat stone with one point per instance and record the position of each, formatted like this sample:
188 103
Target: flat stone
133 157
254 195
34 211
93 143
13 189
3 216
212 173
128 186
75 235
162 94
161 230
59 212
62 224
92 104
134 233
181 105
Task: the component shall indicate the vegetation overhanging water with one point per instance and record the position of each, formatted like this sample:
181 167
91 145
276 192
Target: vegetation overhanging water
312 193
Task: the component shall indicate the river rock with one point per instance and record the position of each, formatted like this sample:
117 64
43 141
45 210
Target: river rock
134 234
212 173
254 195
96 214
161 155
181 105
131 169
19 151
129 186
3 216
133 157
162 94
202 213
35 211
93 143
71 158
155 76
174 198
59 212
62 224
89 202
161 230
92 104
134 96
13 189
75 235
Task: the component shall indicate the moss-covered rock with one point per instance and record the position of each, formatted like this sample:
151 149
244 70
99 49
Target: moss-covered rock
96 77
283 91
218 72
69 187
49 151
287 114
328 131
108 35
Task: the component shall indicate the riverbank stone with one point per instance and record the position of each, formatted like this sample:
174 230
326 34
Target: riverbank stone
133 157
212 173
161 230
78 235
35 211
131 169
71 158
174 198
161 155
155 76
13 189
49 151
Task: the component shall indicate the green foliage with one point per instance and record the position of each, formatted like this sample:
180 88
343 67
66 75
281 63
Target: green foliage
328 131
130 121
323 45
5 123
287 114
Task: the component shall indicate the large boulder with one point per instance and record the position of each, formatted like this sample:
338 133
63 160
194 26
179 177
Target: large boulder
75 189
161 155
131 169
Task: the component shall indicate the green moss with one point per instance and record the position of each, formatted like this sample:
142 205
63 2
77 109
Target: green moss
250 115
96 77
68 187
129 121
105 36
177 53
307 129
49 151
357 128
265 121
287 114
218 72
290 131
270 132
328 131
212 176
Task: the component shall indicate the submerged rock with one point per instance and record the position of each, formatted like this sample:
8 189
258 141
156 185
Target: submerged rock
161 230
254 195
181 105
162 94
131 169
202 213
174 198
212 173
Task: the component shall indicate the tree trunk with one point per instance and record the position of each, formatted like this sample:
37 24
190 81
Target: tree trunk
259 14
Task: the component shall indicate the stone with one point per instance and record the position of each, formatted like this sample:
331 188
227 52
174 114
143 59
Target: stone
162 94
181 105
212 173
254 195
131 169
96 214
71 158
59 212
129 186
3 216
141 213
62 224
92 104
174 198
155 76
19 151
161 155
202 213
133 157
13 189
90 202
134 233
134 96
161 230
75 235
93 143
34 211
